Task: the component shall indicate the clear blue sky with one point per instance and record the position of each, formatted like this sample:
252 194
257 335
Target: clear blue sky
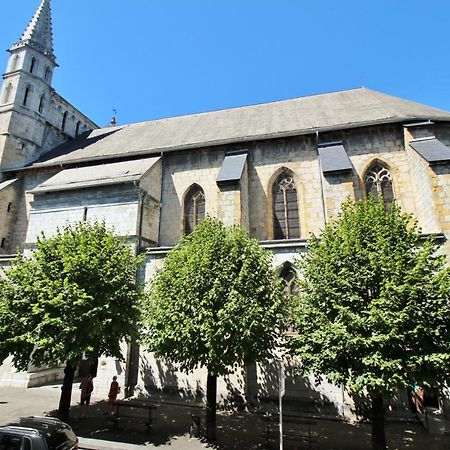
152 59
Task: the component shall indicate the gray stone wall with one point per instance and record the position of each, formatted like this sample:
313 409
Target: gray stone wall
422 183
8 204
150 185
245 200
29 179
319 197
116 205
180 171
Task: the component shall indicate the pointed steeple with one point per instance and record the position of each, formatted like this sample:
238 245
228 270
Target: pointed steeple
38 33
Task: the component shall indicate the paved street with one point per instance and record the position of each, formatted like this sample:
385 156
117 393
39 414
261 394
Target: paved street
236 431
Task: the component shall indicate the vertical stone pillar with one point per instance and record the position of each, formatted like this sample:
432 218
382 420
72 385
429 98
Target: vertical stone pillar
233 205
336 176
424 179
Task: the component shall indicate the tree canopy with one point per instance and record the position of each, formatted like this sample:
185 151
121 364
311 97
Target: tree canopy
373 312
215 303
76 294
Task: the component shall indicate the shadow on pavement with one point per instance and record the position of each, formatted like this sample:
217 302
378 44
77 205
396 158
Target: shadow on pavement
234 430
244 431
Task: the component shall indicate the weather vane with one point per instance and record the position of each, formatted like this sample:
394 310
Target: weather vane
113 118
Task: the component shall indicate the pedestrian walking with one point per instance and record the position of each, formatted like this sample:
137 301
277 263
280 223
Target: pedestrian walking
114 390
86 386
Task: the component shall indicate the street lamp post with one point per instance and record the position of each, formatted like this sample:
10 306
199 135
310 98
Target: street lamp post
282 387
281 391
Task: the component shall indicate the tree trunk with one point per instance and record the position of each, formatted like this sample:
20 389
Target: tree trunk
211 406
378 433
66 391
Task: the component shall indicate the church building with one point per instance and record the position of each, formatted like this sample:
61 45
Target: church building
280 170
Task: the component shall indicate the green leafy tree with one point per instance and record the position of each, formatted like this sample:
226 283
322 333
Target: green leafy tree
214 304
75 295
373 313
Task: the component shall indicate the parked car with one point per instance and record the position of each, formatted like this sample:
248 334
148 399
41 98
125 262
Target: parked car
37 433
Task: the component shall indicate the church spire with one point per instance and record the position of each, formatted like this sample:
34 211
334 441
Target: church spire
38 33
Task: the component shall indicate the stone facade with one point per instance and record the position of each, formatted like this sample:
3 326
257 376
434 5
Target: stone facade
151 207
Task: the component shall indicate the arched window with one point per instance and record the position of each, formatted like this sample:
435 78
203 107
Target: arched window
64 121
26 96
47 74
41 103
15 63
7 94
194 208
286 224
378 182
289 277
77 129
33 65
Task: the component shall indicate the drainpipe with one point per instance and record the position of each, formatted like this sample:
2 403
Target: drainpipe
325 218
132 358
142 195
161 199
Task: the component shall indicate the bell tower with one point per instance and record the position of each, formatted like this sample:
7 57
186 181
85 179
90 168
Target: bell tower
26 92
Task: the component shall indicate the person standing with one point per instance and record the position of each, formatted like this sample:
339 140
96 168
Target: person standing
86 386
114 390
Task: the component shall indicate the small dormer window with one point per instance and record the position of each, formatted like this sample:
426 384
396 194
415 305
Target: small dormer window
64 122
47 74
33 65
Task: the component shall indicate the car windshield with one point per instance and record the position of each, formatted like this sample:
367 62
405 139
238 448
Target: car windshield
9 442
61 438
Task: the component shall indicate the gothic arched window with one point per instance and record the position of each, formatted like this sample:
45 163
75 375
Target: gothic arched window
289 277
378 182
286 224
7 94
77 129
194 208
33 65
15 63
41 103
64 121
47 74
26 96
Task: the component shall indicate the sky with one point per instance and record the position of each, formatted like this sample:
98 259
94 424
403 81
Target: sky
151 59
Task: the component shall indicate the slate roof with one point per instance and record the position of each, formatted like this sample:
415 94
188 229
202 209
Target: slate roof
431 149
99 175
232 167
5 184
325 112
334 158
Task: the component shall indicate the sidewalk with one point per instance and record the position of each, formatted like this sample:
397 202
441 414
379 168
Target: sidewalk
236 431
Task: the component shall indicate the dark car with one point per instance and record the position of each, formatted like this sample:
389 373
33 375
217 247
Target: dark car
37 433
